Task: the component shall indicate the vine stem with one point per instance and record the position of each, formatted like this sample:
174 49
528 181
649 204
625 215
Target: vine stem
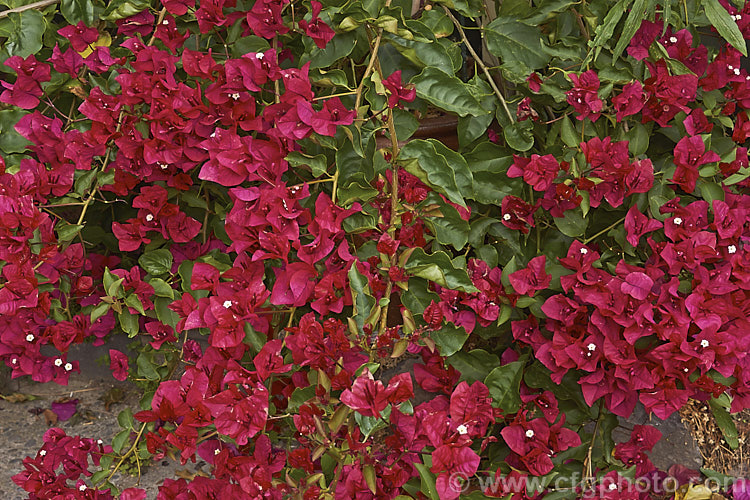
128 453
587 464
36 5
368 71
162 13
481 64
604 231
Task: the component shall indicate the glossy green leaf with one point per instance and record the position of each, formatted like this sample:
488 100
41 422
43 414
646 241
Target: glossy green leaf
439 167
725 423
450 229
446 92
516 43
439 268
474 365
519 135
724 24
362 300
449 339
146 368
10 140
632 23
428 481
504 385
120 9
24 32
66 232
119 441
573 224
128 323
78 10
156 262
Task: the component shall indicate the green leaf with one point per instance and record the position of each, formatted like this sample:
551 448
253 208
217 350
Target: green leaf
339 47
606 29
449 339
120 9
161 288
24 31
164 313
439 167
722 21
439 268
156 262
66 232
632 23
128 323
516 43
473 365
78 10
711 191
125 419
519 135
450 229
725 422
573 224
368 425
362 300
504 385
317 164
10 140
568 133
133 301
118 442
146 368
300 396
638 139
428 481
99 310
447 92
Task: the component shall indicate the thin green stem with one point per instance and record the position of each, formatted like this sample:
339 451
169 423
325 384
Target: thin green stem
604 231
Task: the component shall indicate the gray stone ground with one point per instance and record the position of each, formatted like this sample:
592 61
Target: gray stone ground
21 431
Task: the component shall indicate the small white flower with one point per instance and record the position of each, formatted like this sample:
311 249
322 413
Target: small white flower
163 166
217 451
42 453
462 429
259 55
14 361
227 304
730 67
673 39
529 434
58 362
612 487
213 134
149 217
732 249
737 17
99 442
584 251
68 367
82 487
677 221
506 217
736 71
704 343
591 347
30 338
686 370
165 22
235 96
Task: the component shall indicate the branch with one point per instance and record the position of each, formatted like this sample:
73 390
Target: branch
36 5
480 63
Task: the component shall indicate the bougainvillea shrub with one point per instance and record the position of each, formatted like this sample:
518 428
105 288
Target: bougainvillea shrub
322 307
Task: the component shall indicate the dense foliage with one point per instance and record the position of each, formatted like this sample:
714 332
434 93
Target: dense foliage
326 308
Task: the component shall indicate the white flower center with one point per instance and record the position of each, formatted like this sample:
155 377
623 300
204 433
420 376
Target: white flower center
227 304
612 487
673 39
731 249
591 347
506 217
704 343
677 221
99 441
30 338
42 453
259 55
462 429
217 451
14 361
82 487
584 251
529 434
730 67
686 370
58 362
736 71
149 217
235 96
68 367
163 166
